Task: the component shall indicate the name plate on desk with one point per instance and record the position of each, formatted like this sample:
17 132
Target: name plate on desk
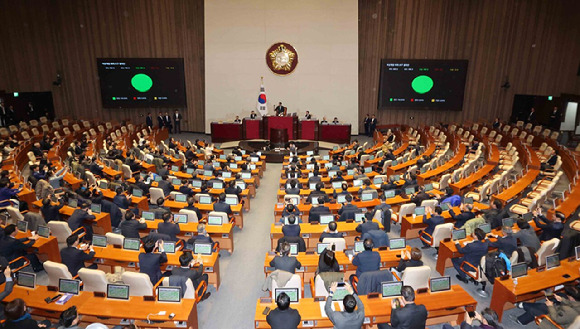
208 269
225 236
306 324
306 236
302 269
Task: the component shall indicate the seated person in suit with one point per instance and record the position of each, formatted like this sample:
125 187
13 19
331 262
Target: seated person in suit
253 115
347 210
289 209
317 210
186 188
74 257
284 261
368 260
293 228
350 318
165 185
335 121
385 213
318 193
80 217
50 211
407 314
465 215
550 162
344 191
331 231
191 269
191 206
506 243
201 237
472 253
169 227
120 199
432 220
17 317
233 189
338 177
366 187
367 224
327 262
453 199
12 248
283 317
421 196
323 120
527 235
495 214
293 188
150 262
130 227
315 178
550 228
562 308
410 259
222 206
141 184
160 209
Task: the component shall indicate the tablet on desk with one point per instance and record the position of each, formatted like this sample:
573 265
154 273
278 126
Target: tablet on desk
118 291
419 211
176 181
458 234
358 217
445 206
67 286
552 261
428 187
325 219
409 190
468 200
148 215
528 216
189 171
169 247
180 218
196 183
366 196
321 246
577 249
174 168
214 220
337 185
357 182
391 288
217 185
169 294
293 249
389 194
232 200
99 240
202 248
103 185
291 292
519 270
486 227
398 243
312 186
22 226
137 192
227 174
179 197
341 198
205 199
25 279
507 222
359 246
440 284
96 208
43 231
73 203
131 244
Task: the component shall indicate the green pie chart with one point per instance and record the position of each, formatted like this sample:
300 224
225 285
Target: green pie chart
422 84
141 82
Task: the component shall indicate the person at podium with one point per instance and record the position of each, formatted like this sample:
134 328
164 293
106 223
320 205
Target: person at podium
279 109
324 121
335 121
237 120
308 116
253 115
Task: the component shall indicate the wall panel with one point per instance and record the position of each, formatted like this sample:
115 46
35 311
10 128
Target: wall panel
496 36
67 36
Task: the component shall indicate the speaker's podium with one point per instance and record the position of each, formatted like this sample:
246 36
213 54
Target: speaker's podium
252 128
288 123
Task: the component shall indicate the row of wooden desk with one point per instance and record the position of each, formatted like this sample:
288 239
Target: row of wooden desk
446 306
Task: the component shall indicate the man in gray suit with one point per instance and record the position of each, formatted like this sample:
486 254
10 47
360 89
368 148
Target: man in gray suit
350 318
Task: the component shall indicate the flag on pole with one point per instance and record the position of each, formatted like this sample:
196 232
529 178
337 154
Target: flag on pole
261 106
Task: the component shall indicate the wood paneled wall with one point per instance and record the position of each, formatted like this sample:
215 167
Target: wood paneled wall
43 37
536 43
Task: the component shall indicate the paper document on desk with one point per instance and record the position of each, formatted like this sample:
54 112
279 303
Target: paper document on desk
465 243
323 312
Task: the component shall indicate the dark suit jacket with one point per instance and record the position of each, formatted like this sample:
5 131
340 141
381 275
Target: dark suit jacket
420 197
461 218
285 263
292 239
78 218
121 201
367 226
287 319
549 228
149 121
412 316
347 212
506 244
160 121
194 208
52 212
186 190
165 186
223 207
431 222
473 252
12 248
23 324
75 259
315 212
366 261
291 230
171 229
329 235
194 273
130 228
386 215
295 191
149 263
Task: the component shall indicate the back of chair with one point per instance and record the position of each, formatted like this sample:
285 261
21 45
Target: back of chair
93 280
319 288
191 215
339 243
417 277
56 271
221 214
139 283
294 282
189 288
156 193
429 203
442 231
114 238
406 209
61 231
546 249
